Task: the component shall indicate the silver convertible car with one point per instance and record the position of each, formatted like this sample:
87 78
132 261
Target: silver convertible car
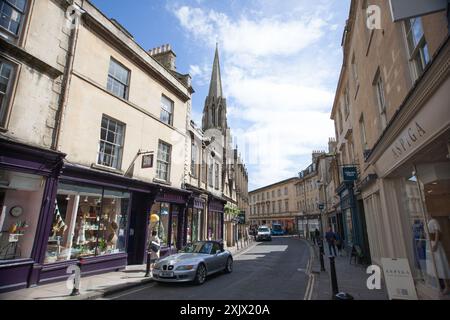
194 263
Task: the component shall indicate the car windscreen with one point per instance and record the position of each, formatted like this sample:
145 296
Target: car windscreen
198 247
263 229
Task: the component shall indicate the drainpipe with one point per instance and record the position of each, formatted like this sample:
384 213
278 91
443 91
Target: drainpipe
67 75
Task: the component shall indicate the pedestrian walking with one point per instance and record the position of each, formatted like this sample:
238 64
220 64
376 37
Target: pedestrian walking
330 236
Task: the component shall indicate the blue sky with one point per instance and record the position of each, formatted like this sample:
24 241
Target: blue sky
280 63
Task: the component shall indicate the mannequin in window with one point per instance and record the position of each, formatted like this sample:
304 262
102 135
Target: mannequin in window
435 246
112 237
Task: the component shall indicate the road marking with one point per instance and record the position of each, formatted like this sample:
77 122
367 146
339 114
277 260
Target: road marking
113 297
311 277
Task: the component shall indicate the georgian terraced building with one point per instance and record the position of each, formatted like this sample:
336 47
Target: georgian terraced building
275 203
97 147
392 120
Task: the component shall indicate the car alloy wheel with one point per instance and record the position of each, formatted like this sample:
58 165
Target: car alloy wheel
229 266
200 277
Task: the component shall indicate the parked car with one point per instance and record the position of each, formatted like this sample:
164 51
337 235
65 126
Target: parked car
264 234
194 263
277 230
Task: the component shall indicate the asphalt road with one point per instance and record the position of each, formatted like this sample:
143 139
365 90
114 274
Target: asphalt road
269 271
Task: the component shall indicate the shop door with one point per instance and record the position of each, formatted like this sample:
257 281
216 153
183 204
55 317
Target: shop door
139 218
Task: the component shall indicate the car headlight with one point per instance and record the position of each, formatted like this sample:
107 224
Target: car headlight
157 267
188 267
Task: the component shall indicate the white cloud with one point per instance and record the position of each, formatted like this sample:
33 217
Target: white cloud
279 75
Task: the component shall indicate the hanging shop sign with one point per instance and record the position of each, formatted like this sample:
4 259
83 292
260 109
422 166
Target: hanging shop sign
350 173
399 280
147 161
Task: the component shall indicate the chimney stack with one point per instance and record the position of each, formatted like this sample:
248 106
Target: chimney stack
165 56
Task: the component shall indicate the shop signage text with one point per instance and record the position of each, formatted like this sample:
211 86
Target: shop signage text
350 173
408 140
399 280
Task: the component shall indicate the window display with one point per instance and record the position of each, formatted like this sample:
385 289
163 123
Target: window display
214 225
88 221
20 205
161 225
349 226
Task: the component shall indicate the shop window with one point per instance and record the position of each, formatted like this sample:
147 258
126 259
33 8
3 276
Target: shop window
349 226
193 225
174 226
88 221
426 203
162 210
6 76
20 204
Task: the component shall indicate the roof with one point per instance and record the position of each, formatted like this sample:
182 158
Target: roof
215 88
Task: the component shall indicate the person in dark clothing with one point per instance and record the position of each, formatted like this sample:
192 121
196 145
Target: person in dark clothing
317 236
330 236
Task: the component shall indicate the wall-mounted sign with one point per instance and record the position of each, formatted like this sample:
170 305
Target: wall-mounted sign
405 9
399 280
350 173
147 161
321 206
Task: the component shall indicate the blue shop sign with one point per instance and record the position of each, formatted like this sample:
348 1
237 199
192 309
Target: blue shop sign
350 173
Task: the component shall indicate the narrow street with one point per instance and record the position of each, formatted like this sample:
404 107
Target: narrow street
270 270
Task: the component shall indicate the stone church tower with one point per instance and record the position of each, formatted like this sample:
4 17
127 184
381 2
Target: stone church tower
215 111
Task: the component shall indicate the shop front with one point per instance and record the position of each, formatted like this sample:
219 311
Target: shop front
195 220
28 180
409 205
215 219
89 225
170 208
354 229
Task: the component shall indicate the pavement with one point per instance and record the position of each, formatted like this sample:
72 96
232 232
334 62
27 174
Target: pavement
265 271
97 286
351 278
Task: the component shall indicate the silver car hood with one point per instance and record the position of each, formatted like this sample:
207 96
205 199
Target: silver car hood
182 257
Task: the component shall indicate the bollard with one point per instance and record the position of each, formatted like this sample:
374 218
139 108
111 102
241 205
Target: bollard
334 283
76 281
147 269
321 254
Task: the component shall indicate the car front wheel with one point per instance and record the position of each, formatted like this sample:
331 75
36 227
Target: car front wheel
200 276
229 266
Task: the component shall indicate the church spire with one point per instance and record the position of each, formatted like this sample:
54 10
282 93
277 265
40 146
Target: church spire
215 88
215 111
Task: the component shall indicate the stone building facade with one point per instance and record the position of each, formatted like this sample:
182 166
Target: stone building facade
392 125
94 145
275 204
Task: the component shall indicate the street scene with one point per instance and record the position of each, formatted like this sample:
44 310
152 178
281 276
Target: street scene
254 277
224 151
